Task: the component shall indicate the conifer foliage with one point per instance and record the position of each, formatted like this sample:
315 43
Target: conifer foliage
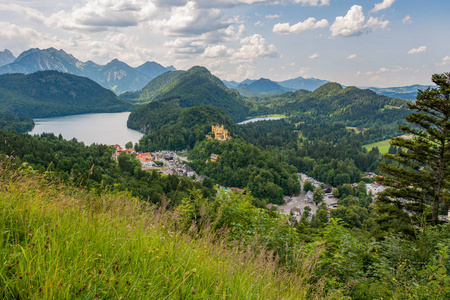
420 175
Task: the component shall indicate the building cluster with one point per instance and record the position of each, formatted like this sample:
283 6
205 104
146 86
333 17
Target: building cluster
144 157
167 162
304 177
219 133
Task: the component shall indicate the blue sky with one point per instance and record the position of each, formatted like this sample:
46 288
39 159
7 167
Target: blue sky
353 42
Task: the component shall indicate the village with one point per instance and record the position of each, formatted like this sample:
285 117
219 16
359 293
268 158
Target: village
171 162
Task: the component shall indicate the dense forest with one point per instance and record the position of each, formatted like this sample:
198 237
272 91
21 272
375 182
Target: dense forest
51 93
243 165
18 124
93 167
170 127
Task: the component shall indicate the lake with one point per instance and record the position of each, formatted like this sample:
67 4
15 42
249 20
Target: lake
260 119
106 128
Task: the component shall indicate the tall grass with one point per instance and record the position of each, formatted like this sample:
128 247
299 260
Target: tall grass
58 242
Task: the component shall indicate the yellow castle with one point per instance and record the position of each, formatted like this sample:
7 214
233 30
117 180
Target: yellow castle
220 133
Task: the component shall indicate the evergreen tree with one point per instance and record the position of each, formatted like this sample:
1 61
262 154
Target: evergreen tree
421 174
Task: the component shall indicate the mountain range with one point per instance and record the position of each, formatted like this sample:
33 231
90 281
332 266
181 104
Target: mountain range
120 77
115 75
264 87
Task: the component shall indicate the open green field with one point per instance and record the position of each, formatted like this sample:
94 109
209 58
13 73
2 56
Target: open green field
383 146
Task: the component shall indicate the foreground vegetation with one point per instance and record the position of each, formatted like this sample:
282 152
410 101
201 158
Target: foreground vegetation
59 242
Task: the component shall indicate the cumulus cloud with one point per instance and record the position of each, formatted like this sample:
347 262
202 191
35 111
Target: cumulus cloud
99 15
313 2
352 56
383 5
254 46
272 16
314 56
445 61
419 50
407 19
190 19
20 34
354 23
308 24
216 51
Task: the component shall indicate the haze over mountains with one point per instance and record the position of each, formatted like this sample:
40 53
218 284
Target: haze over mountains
116 75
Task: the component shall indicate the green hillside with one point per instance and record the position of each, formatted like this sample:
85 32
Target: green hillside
66 243
51 93
197 86
332 103
169 126
153 89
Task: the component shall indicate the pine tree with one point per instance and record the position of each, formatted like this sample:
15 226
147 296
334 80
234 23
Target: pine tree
420 175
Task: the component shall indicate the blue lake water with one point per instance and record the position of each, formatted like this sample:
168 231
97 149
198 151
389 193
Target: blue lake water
260 119
107 128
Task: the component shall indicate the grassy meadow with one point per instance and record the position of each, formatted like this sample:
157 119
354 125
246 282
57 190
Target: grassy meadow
383 146
60 242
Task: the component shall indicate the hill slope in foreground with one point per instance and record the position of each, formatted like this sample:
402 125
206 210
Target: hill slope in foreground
59 243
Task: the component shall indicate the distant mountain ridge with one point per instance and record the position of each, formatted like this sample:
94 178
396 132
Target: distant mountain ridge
403 92
52 93
264 87
261 87
6 57
116 75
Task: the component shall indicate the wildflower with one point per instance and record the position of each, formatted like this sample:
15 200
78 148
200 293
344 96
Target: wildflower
48 238
20 277
26 220
99 271
30 234
193 292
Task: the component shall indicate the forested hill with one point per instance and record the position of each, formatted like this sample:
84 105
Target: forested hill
197 86
351 105
169 126
52 93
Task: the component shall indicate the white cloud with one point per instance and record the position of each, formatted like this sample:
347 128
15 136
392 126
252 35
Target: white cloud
308 24
384 70
99 15
21 35
245 71
383 5
303 71
351 24
352 56
190 19
216 51
313 2
314 56
354 23
254 46
259 23
445 61
375 23
419 50
407 19
272 16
